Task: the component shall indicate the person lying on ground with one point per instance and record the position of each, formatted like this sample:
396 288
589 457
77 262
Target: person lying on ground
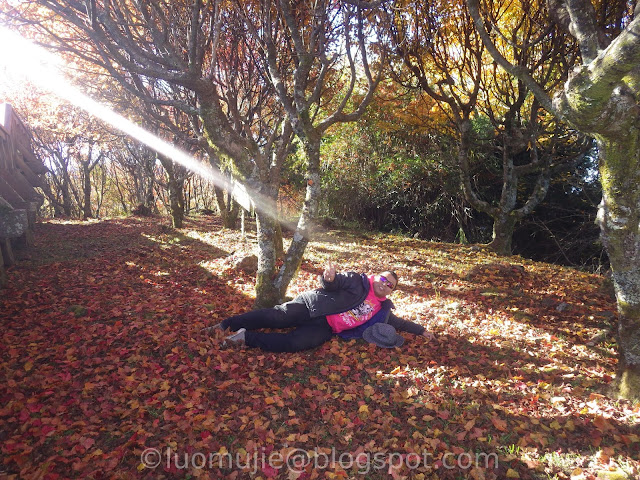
351 305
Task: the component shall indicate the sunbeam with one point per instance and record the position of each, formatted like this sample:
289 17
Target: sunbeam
41 68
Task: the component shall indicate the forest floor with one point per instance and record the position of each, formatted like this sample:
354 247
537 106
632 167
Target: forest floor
106 372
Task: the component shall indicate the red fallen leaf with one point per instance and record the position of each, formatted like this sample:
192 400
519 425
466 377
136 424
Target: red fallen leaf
111 463
602 423
499 424
34 407
444 414
269 471
46 430
86 442
12 447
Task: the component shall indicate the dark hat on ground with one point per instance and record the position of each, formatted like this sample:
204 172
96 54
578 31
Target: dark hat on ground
383 335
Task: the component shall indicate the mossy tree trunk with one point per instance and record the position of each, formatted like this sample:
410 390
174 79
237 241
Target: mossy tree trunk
175 188
267 295
271 285
600 98
619 219
503 228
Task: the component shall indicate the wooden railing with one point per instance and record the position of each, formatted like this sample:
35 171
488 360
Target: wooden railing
19 176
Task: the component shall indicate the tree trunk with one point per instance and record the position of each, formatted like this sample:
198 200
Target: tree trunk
229 209
503 227
175 185
505 215
305 226
176 202
618 217
86 190
267 294
66 194
51 196
269 290
278 244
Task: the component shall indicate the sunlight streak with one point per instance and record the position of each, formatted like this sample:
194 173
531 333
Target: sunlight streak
40 67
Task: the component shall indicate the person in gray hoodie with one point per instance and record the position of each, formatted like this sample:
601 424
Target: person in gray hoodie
347 304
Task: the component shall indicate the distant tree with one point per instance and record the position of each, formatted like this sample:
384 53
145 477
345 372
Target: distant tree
135 174
599 97
441 54
72 145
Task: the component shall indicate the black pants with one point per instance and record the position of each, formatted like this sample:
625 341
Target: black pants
309 332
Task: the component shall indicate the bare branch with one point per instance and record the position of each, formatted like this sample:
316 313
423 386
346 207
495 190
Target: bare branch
517 71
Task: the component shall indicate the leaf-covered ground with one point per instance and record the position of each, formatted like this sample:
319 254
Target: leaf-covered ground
106 372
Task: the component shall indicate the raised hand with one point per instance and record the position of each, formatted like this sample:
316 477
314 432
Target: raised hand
329 273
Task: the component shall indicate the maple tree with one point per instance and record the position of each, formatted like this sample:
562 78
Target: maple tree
443 56
598 97
73 145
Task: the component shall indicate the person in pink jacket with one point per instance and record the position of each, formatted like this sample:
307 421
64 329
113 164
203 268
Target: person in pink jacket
348 304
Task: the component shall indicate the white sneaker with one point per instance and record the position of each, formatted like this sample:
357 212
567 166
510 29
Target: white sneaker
237 338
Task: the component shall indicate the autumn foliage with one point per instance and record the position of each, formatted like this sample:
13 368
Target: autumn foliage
103 357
